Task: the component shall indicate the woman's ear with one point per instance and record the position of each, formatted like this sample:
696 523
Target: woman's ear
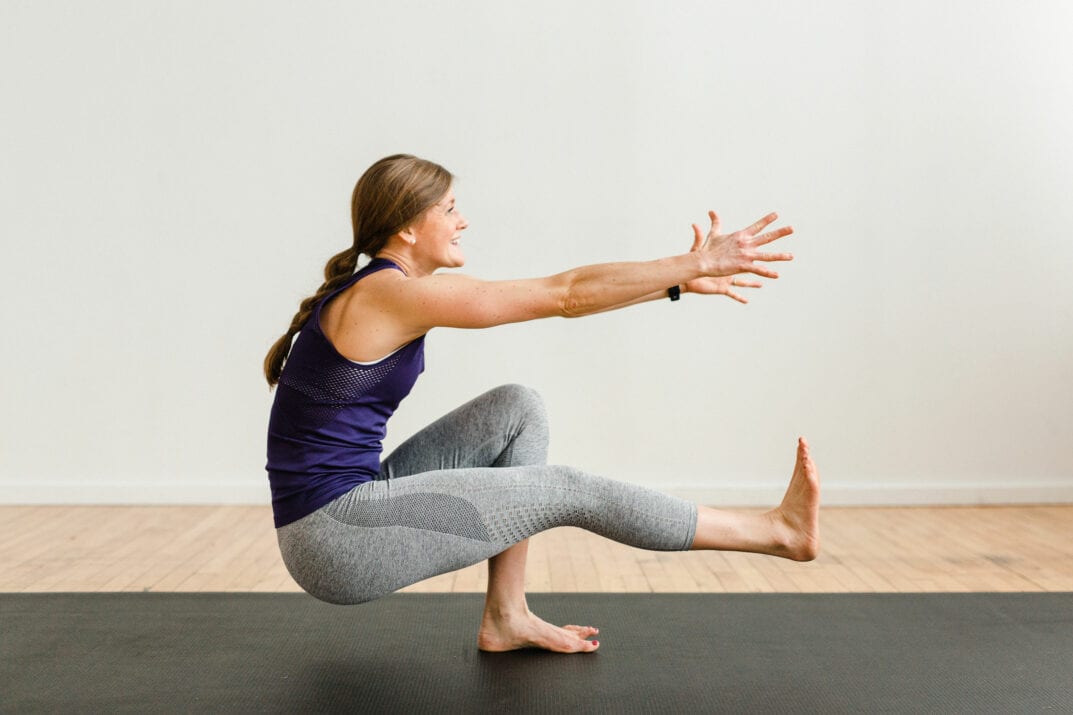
407 235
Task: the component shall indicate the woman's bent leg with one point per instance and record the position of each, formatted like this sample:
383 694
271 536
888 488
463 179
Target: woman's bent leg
505 427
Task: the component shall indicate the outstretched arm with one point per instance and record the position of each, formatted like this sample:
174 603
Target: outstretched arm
462 302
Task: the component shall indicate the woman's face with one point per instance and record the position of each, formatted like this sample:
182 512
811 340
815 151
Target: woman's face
438 232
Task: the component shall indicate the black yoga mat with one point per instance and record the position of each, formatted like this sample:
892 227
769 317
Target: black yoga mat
669 653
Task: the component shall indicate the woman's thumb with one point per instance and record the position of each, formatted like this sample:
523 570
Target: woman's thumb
698 238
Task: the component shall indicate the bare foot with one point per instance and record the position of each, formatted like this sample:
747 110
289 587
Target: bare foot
513 632
797 519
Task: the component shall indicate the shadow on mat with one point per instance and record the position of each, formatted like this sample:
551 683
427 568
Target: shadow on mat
471 680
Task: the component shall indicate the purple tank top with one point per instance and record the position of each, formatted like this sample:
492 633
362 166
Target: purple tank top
330 415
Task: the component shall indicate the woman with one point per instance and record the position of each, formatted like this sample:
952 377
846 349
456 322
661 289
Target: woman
473 485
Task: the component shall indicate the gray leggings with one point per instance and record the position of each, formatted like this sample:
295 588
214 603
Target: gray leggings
465 488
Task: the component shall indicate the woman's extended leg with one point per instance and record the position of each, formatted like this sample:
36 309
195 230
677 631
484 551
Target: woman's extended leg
386 534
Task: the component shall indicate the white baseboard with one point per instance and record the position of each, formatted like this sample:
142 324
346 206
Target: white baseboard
251 492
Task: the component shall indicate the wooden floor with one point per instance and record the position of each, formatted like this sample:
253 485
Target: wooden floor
233 548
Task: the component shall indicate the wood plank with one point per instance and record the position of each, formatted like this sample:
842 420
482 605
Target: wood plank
873 549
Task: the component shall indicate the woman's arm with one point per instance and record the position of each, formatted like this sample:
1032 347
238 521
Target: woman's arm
463 302
459 301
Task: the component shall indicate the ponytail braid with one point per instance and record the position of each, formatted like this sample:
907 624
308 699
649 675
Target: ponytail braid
339 269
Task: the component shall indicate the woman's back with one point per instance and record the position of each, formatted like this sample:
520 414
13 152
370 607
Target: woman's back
330 413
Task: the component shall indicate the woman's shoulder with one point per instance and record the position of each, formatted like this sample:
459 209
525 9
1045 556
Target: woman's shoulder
358 322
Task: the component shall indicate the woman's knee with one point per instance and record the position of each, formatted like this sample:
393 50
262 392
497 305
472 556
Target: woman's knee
523 400
518 394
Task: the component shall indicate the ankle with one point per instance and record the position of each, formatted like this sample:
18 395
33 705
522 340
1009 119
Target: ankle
506 610
790 539
778 531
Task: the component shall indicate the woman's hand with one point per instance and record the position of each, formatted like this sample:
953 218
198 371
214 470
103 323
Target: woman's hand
716 285
726 255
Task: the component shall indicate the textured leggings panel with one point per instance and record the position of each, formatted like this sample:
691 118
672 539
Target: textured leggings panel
464 489
430 511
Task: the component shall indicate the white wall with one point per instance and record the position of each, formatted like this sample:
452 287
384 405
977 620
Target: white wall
173 177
